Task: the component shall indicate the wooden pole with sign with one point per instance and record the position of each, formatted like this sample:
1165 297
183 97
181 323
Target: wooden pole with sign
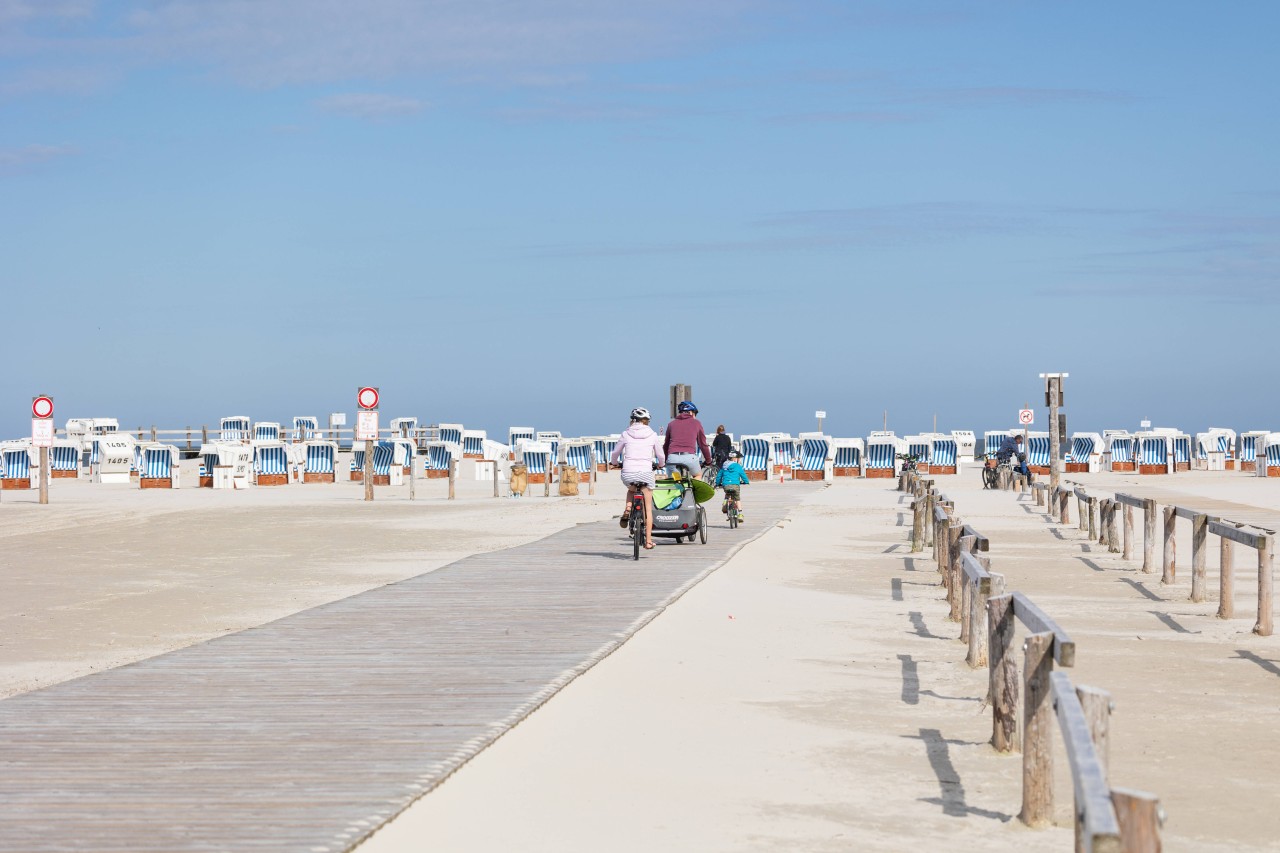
368 469
44 475
42 437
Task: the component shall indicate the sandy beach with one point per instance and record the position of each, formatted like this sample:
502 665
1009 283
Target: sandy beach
810 694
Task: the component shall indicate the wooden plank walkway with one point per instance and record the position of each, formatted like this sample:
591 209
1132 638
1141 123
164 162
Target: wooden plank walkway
310 732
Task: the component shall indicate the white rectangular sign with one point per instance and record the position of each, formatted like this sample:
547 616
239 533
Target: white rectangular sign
366 426
338 419
41 432
819 414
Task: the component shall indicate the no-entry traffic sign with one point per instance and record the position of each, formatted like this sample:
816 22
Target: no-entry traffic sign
1026 417
367 398
42 407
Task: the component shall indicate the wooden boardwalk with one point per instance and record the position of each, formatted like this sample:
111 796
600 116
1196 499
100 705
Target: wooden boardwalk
309 732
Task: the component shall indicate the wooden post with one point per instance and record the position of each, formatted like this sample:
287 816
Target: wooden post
204 434
955 588
368 469
979 633
1226 581
1265 552
1002 674
44 475
413 494
930 503
1053 387
1093 519
1170 570
1127 551
1104 507
495 478
1138 814
453 477
591 474
1113 528
188 438
1148 535
1096 705
1037 731
1064 508
546 481
917 524
1199 555
153 433
1082 513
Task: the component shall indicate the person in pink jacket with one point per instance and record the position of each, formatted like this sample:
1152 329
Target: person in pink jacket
637 450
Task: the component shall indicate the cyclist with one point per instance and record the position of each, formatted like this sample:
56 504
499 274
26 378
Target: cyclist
720 447
731 477
1011 451
638 448
684 440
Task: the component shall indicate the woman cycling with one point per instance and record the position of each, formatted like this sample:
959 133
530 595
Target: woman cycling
638 449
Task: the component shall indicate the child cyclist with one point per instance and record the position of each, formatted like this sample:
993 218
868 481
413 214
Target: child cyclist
732 477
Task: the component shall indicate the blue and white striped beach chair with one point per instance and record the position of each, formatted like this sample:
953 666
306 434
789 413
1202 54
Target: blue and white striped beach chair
64 459
1086 452
538 459
451 433
755 456
577 454
882 454
517 434
473 443
1270 455
305 428
266 431
1120 450
235 428
404 427
1153 453
437 459
604 446
918 446
944 455
848 457
1181 452
158 466
814 461
552 439
320 463
1248 455
1038 452
993 438
270 465
15 462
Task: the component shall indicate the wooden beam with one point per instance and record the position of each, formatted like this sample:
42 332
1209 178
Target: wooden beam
1097 828
1037 622
1227 530
981 543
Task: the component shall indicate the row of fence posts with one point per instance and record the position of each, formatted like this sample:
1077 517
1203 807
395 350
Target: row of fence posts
1106 818
1101 526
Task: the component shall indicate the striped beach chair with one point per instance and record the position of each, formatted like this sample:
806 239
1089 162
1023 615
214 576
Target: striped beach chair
1119 452
755 456
112 458
944 455
64 459
578 453
15 466
473 443
993 438
1038 452
158 466
918 446
438 458
270 464
1181 452
305 428
1153 452
815 459
451 433
551 438
848 455
234 428
404 455
320 465
538 458
266 431
1214 449
882 454
782 451
516 434
1270 455
404 427
1086 453
604 446
1248 452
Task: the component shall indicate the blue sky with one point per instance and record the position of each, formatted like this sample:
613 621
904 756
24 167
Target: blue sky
545 213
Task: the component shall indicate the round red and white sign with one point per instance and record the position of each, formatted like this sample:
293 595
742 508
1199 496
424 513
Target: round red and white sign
367 398
1026 416
42 407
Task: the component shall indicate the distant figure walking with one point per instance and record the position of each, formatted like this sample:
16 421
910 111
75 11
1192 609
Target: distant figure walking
720 446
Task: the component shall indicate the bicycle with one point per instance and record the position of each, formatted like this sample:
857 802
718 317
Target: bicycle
636 526
990 472
731 509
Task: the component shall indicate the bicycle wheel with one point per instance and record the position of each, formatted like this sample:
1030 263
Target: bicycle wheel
637 530
733 514
702 525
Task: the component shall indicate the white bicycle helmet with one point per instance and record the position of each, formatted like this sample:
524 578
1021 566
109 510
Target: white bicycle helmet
640 413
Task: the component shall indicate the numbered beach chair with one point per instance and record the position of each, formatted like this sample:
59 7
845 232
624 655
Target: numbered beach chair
111 458
882 455
235 428
755 457
815 460
847 458
158 466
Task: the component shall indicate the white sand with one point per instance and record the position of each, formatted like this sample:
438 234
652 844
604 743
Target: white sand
790 701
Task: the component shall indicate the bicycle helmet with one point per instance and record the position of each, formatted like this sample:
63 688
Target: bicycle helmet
640 413
686 406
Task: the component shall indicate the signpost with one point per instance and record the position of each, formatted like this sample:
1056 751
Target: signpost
367 430
1053 399
42 437
820 414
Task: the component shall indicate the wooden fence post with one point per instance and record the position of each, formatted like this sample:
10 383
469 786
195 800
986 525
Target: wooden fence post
1093 519
955 591
1139 816
1082 514
1199 555
1097 706
1127 551
1113 535
1104 507
1226 581
1148 535
1003 674
1064 507
978 629
917 524
930 501
1170 569
1037 731
453 476
1263 626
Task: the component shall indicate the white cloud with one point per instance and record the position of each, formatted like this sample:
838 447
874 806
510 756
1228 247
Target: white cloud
370 105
